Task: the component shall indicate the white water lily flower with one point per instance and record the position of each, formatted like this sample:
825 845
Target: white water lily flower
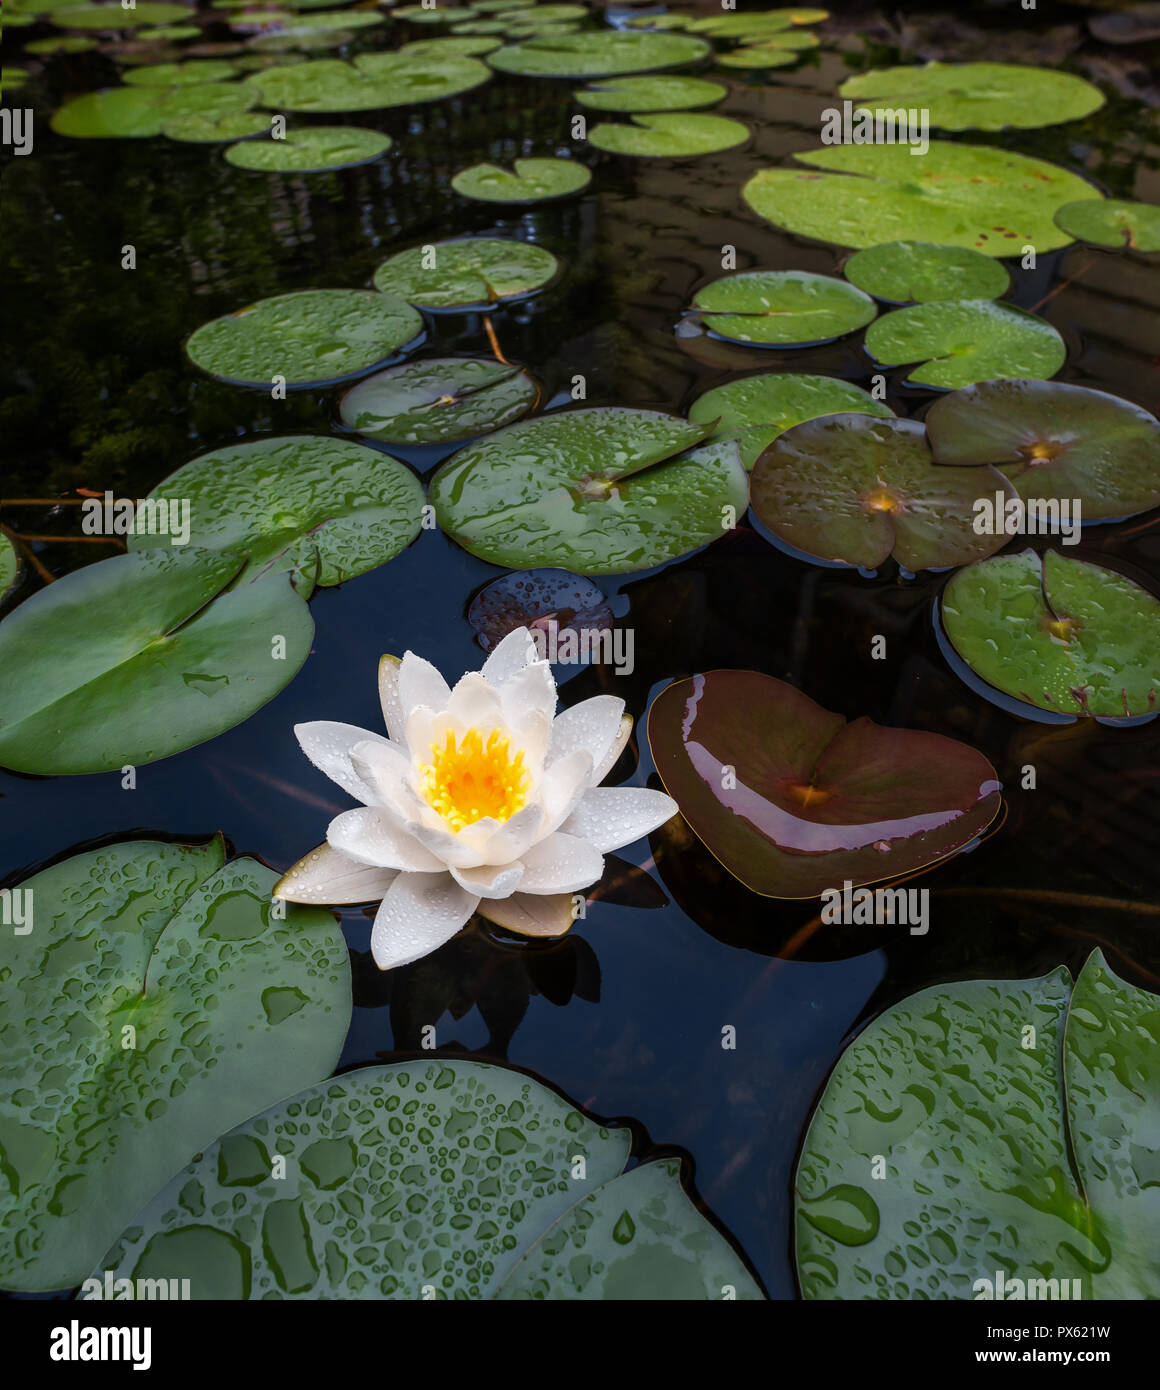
482 799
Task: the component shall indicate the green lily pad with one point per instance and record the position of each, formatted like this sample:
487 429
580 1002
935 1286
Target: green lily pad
113 16
62 43
670 135
757 56
311 151
463 47
180 74
468 273
782 308
986 199
1054 440
659 21
754 410
730 25
12 79
373 81
1112 222
438 400
1060 634
295 500
793 800
661 93
136 112
9 566
310 338
612 53
906 272
854 490
597 491
966 341
155 1002
170 33
299 42
133 659
211 127
500 1214
1039 1100
334 20
977 96
440 14
533 181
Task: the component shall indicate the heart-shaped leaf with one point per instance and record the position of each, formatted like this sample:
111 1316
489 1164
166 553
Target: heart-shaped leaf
966 341
529 181
905 272
1112 222
311 151
782 308
438 400
670 135
661 93
138 112
155 1002
471 273
794 801
371 82
608 54
1017 1123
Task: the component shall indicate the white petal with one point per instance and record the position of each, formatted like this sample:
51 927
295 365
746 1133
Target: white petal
386 769
474 701
608 762
325 876
511 654
565 782
328 745
561 864
421 684
368 835
530 914
592 725
514 837
389 698
463 850
609 817
533 688
490 881
419 913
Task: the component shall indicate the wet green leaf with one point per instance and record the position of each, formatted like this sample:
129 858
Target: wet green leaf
465 47
757 56
180 74
145 111
311 151
670 135
533 181
1112 222
372 82
472 272
782 308
210 128
9 566
967 341
660 93
438 400
614 52
906 272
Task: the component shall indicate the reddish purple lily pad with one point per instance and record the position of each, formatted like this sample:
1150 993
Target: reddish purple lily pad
542 600
794 800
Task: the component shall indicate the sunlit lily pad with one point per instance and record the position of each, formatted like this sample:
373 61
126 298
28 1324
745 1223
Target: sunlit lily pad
1017 1123
438 400
143 111
596 491
782 308
966 341
1112 222
373 81
614 52
534 599
504 1210
854 490
156 1002
731 25
114 16
754 410
210 128
907 272
138 657
977 96
1061 634
529 181
312 150
793 800
989 200
295 501
310 338
9 566
180 74
467 273
670 135
660 93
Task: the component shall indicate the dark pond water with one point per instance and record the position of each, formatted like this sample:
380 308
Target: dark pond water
625 1015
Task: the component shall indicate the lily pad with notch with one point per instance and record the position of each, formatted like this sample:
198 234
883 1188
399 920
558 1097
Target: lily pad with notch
469 273
656 93
373 81
439 400
782 308
918 272
1112 222
314 150
528 181
670 135
616 52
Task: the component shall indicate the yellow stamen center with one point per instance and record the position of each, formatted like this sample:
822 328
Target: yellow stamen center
475 778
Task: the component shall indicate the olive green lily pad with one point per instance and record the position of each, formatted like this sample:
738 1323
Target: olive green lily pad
299 42
658 93
373 81
659 21
853 489
906 272
522 1199
731 25
757 56
170 33
156 1002
62 43
1112 222
977 96
311 151
310 338
135 658
114 16
136 112
966 341
1016 1121
670 135
1054 440
211 127
596 491
989 200
754 410
469 273
608 54
464 47
9 566
180 74
1061 634
439 14
782 308
334 20
438 400
297 500
532 181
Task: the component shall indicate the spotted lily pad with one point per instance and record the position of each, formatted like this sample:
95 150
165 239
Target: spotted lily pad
1112 222
855 490
670 135
611 53
144 111
1061 634
310 338
180 74
782 308
659 93
211 128
1039 1099
596 491
533 181
986 199
977 96
906 272
967 341
794 801
311 151
438 400
373 81
469 273
155 1002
